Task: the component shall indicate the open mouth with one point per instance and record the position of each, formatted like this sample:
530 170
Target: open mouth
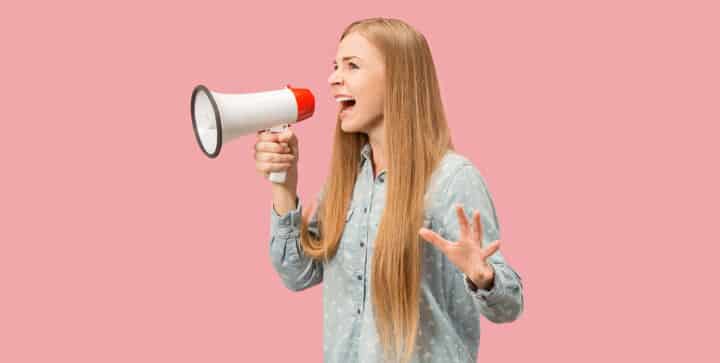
346 104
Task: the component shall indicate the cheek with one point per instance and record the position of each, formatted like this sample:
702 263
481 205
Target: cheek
373 96
378 93
371 91
377 99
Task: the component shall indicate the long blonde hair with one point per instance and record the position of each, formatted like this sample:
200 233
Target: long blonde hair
417 137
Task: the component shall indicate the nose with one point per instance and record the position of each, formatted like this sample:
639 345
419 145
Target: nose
334 78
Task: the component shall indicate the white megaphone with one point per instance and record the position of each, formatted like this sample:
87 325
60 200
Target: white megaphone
220 117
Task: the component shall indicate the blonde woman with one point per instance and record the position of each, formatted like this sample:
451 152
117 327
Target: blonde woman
404 236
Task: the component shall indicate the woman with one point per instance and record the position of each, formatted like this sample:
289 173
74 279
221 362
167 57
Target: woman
395 181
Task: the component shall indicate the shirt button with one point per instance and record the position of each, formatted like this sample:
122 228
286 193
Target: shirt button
365 210
358 311
359 277
362 244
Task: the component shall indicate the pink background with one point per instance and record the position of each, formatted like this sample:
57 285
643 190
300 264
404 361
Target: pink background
595 126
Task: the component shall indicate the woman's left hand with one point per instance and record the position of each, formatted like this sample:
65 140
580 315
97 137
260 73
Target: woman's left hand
468 253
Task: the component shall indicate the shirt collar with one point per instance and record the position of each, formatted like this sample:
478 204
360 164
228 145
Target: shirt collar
366 153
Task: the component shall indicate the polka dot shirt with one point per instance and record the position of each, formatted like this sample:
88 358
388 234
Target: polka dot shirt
450 305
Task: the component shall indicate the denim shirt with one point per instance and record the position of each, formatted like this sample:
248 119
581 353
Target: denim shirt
450 306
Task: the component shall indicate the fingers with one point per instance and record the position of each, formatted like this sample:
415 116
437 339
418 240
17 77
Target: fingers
287 136
267 136
271 147
464 226
287 140
274 157
274 153
477 227
434 238
264 167
270 157
462 221
492 248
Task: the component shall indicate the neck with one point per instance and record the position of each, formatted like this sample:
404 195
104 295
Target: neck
377 143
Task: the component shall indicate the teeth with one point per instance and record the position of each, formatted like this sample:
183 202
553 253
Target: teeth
341 99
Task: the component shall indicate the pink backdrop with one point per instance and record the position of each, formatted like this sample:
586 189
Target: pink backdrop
594 126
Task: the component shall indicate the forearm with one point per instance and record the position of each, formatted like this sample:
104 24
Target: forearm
284 198
296 270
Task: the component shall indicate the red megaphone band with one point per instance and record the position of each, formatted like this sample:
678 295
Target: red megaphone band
305 102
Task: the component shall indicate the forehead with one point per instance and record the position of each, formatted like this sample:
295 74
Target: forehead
356 45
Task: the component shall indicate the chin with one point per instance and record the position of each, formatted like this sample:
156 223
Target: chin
358 124
348 126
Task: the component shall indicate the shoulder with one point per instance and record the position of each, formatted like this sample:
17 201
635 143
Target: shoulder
455 174
454 169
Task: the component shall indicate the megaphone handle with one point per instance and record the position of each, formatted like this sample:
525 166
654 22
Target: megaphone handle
277 176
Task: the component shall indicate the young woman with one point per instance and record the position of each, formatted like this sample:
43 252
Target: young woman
395 183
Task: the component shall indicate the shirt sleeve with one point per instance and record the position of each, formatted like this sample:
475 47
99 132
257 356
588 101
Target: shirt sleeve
297 271
504 301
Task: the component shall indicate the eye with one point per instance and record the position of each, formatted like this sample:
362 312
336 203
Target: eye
352 65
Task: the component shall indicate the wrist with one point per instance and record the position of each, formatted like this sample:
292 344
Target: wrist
484 281
289 187
284 199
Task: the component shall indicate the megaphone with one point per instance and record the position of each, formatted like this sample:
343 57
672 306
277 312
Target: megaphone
220 117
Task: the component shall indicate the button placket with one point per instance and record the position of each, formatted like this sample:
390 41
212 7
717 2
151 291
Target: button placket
352 218
351 260
367 213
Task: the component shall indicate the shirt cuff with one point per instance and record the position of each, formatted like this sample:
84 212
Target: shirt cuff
482 294
287 225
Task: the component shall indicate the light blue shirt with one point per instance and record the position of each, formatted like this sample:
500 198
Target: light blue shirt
449 307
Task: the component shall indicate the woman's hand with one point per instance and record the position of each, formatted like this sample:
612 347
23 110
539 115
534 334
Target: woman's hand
468 254
275 152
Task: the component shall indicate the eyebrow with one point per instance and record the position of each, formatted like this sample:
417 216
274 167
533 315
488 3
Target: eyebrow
346 58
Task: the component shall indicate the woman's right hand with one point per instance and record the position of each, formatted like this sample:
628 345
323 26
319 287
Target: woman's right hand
277 152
